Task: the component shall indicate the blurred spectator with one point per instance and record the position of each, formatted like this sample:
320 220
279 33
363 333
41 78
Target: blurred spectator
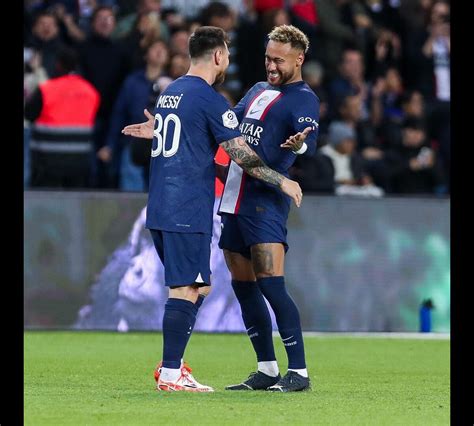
314 173
384 14
220 15
437 51
369 146
146 28
86 9
350 177
313 75
251 45
386 98
70 32
179 65
178 43
350 112
386 53
138 92
63 110
333 33
33 75
413 165
274 17
413 104
414 13
104 64
349 81
45 39
303 15
128 23
173 19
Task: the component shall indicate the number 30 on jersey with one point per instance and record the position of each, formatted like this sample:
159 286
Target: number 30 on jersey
160 133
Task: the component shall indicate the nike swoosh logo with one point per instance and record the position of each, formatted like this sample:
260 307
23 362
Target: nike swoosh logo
249 328
284 340
255 111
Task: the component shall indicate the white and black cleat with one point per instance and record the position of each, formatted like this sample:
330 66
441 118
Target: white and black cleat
291 382
256 381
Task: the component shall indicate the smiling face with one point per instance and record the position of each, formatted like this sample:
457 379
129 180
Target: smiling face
283 63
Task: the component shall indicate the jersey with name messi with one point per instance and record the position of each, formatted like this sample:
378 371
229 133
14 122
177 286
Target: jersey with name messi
191 119
268 115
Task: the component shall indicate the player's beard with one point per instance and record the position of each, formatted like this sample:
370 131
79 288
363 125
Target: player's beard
219 78
282 78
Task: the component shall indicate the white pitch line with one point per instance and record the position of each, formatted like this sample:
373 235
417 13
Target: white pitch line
377 335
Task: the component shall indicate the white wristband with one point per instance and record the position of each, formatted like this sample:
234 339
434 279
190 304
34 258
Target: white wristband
302 150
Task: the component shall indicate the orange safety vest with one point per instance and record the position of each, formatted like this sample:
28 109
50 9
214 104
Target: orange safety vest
69 100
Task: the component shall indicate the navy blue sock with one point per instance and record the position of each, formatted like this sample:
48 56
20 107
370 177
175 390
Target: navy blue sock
178 322
287 318
256 318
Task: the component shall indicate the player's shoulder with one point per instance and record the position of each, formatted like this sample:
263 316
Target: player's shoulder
306 91
259 86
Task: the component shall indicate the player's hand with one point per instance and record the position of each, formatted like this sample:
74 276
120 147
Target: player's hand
292 188
295 142
141 130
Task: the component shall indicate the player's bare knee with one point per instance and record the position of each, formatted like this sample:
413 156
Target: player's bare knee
188 292
240 267
268 260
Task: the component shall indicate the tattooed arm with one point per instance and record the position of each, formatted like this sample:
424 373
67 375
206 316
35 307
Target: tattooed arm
245 157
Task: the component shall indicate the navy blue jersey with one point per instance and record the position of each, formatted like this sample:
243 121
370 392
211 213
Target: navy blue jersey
191 119
268 115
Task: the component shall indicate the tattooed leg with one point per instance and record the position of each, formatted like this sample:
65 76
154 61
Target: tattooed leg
268 259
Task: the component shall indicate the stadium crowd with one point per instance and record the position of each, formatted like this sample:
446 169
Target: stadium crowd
381 69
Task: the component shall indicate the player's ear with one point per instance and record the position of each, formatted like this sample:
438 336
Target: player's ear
217 56
300 59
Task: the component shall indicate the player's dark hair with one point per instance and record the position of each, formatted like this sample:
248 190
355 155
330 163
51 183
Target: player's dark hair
205 39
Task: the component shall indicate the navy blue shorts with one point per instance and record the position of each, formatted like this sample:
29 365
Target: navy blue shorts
239 233
185 256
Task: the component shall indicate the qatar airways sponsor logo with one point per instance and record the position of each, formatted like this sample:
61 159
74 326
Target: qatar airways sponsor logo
252 133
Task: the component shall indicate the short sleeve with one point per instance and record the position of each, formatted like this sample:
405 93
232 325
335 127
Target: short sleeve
223 121
306 113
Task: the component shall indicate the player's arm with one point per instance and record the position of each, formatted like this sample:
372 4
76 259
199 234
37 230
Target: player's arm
305 122
245 157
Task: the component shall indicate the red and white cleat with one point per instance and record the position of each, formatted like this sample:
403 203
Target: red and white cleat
157 371
186 382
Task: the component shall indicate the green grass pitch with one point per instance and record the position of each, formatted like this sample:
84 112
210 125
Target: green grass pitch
96 378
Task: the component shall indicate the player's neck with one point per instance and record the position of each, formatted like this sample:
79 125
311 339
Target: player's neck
295 79
198 70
